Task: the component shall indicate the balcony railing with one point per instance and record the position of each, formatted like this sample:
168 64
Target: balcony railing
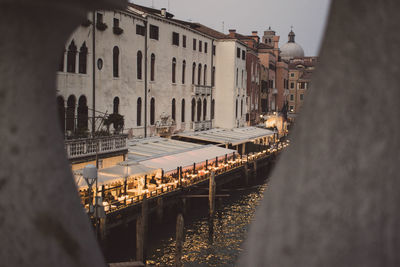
201 89
79 148
202 125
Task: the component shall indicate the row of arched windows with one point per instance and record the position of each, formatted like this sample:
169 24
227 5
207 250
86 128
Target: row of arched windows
67 118
71 58
200 106
241 108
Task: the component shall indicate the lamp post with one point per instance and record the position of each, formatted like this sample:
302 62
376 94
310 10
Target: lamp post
90 176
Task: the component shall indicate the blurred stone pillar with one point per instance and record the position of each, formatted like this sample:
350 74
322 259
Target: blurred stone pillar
42 222
334 196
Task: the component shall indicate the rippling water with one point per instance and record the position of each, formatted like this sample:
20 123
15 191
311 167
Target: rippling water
215 242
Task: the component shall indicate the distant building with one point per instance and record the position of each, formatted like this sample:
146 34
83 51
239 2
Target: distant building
300 73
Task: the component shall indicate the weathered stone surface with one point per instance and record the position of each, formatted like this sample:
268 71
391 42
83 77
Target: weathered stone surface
334 196
41 219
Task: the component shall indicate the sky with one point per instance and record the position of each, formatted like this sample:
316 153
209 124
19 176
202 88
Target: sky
308 17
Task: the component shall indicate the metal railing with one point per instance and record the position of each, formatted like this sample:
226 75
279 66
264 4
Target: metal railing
90 146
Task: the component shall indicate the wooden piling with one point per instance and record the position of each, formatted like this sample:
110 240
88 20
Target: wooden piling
141 232
179 240
255 169
160 209
139 239
102 229
246 173
211 193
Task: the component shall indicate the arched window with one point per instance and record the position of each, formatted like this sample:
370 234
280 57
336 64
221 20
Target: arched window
139 112
199 110
83 51
193 108
82 113
242 78
61 112
116 61
213 76
174 70
241 108
199 75
237 77
173 111
152 66
204 109
70 123
71 57
183 71
183 111
205 75
236 109
193 72
152 111
139 65
116 105
212 109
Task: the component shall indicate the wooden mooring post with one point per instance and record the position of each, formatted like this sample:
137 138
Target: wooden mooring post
211 193
246 174
141 232
255 169
179 240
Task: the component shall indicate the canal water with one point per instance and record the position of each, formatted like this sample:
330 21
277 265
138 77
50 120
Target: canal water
208 242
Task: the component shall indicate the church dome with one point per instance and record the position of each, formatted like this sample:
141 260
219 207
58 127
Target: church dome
291 49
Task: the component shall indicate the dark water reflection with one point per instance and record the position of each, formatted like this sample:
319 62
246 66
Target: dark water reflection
210 242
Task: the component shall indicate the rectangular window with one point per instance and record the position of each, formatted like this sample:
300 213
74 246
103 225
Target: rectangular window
184 41
200 46
116 23
153 32
243 55
238 52
291 108
140 30
99 17
175 38
214 50
194 44
291 97
205 48
301 97
292 85
292 74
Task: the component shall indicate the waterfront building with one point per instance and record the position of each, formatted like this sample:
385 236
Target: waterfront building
160 88
300 73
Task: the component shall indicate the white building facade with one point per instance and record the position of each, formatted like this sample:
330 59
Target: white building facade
162 75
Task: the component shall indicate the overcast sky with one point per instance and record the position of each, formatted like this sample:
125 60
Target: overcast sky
308 17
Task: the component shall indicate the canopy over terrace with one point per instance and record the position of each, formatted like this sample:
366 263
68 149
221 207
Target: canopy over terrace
115 174
235 136
154 147
186 159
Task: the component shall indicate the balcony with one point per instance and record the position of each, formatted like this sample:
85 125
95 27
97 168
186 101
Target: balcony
202 125
201 89
80 148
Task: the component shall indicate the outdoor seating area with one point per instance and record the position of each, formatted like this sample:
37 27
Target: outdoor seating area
125 185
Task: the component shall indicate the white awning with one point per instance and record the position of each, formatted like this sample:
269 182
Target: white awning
235 136
115 174
185 159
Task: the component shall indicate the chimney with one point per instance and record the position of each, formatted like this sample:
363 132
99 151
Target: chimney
163 12
232 33
254 33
